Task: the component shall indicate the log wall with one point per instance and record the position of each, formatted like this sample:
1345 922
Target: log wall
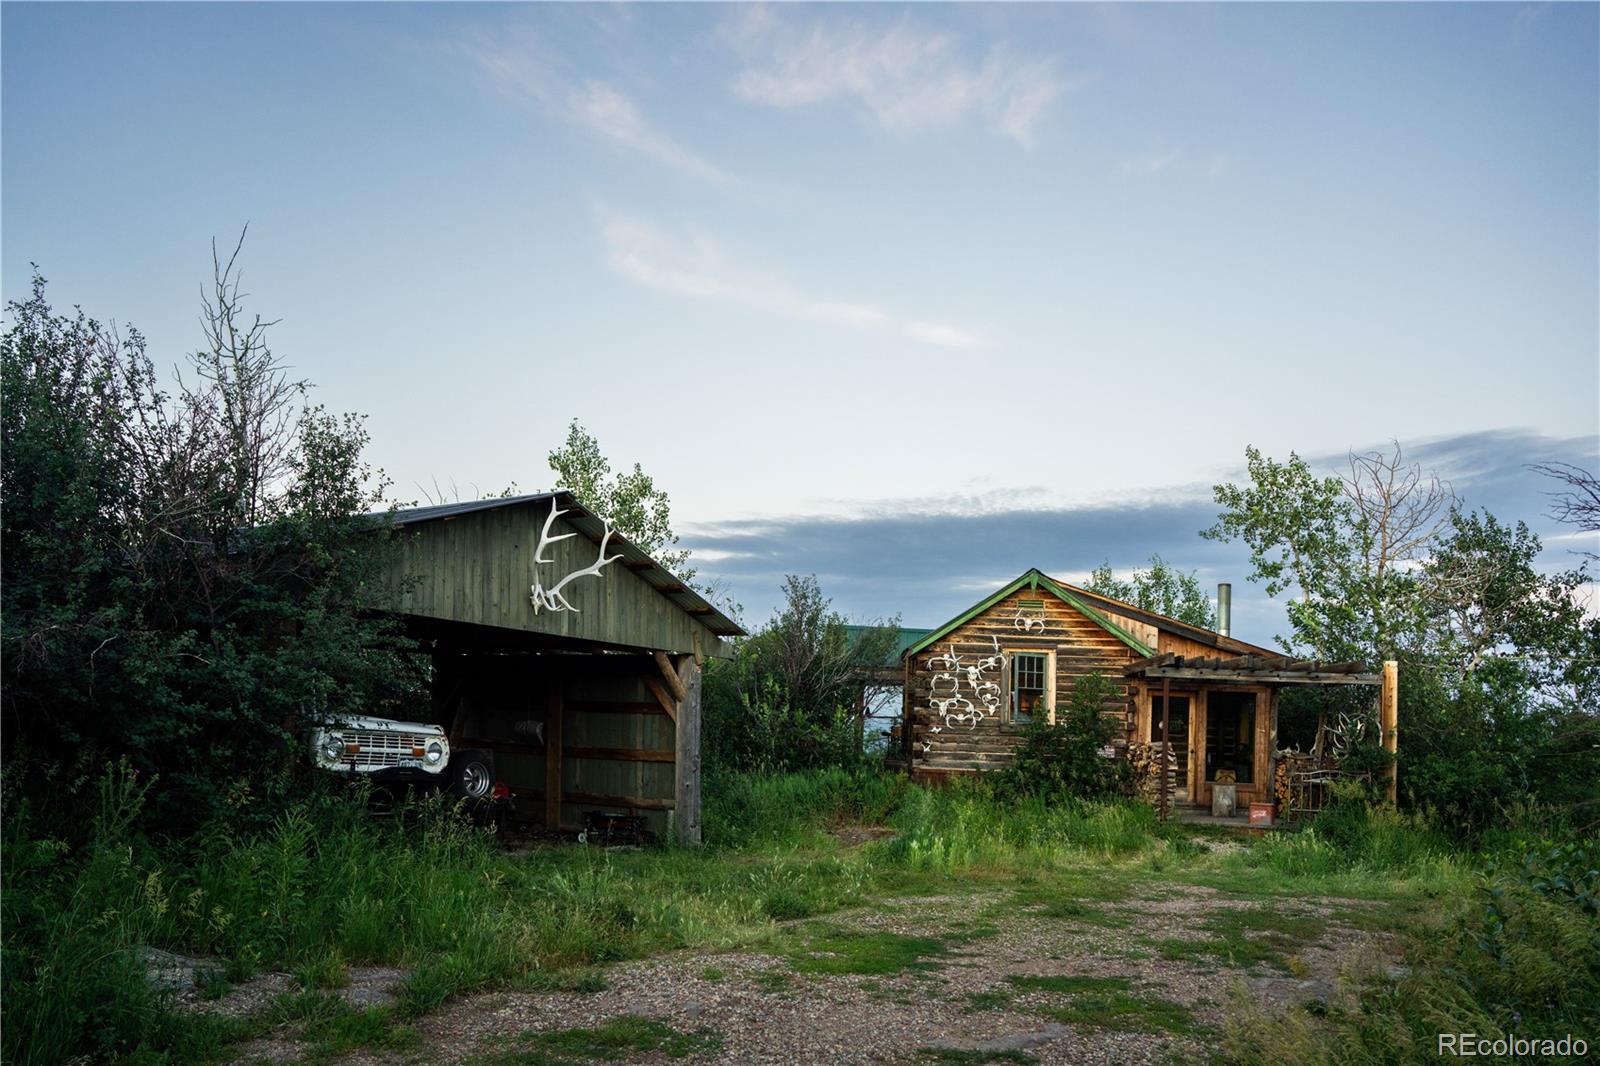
1080 645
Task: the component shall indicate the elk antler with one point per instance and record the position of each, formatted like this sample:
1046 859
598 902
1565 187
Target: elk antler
545 539
551 598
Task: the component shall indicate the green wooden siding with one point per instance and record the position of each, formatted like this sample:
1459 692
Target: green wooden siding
478 568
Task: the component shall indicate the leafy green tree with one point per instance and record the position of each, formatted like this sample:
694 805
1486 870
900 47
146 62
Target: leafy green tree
1500 665
185 574
1348 547
1161 589
629 500
1487 600
788 699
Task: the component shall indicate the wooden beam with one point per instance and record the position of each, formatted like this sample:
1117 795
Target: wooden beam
615 706
553 714
1282 677
669 674
1389 721
687 765
573 752
669 706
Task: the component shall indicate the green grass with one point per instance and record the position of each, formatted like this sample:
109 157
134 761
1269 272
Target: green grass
1247 937
989 999
324 889
1126 1012
773 980
833 950
1073 910
613 1041
334 1028
1108 1003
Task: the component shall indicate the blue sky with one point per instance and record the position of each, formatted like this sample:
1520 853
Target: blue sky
913 297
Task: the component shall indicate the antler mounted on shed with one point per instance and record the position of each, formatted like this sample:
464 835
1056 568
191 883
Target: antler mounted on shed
551 599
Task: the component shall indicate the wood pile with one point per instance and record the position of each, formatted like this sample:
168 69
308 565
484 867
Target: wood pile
1145 762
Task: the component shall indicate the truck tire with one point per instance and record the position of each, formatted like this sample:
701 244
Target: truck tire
471 774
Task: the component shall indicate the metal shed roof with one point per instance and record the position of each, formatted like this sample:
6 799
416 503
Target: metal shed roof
907 637
591 526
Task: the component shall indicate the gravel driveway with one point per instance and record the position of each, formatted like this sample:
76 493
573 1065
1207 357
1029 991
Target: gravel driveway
983 977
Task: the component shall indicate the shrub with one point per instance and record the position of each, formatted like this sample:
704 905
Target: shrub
1063 760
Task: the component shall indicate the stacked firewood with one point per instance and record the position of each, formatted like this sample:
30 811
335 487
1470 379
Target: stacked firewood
1291 762
1145 762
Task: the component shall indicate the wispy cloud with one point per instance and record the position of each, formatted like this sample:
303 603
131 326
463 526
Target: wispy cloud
696 265
515 64
908 77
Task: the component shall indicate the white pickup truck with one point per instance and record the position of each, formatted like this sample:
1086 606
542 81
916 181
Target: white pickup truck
394 752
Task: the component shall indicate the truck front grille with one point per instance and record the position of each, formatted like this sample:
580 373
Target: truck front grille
385 749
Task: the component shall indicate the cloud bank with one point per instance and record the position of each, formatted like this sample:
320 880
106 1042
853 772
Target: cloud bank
905 557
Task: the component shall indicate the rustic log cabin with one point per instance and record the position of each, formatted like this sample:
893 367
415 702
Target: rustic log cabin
564 652
1204 698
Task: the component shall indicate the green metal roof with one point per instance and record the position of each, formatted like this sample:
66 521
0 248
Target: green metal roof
908 637
1033 579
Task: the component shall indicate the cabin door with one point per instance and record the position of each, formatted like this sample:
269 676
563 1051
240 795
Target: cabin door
1182 743
1226 738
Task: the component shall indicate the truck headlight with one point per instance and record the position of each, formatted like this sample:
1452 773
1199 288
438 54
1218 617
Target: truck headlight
435 752
333 748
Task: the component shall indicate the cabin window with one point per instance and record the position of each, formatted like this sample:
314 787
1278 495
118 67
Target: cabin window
1030 675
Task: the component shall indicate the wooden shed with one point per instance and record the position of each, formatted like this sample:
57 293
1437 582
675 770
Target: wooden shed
973 684
565 651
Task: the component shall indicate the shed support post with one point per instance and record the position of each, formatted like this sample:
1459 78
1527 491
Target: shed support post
861 720
686 814
554 712
1389 722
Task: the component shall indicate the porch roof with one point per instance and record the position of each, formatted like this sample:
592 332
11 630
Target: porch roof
1257 669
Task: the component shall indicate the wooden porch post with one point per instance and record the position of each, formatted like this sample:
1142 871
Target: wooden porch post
1166 743
1389 721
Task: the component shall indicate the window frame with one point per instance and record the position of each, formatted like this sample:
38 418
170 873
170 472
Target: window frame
1049 694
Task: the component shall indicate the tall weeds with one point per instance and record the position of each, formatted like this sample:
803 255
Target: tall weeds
948 830
322 887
